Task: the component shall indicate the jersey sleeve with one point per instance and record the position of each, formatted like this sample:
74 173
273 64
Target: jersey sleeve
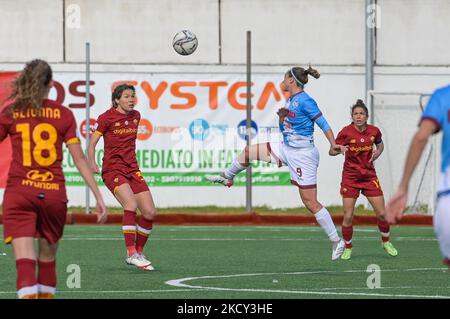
311 110
433 111
378 136
5 124
340 139
71 136
101 126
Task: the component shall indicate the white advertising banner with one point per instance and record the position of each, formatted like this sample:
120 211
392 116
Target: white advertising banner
191 125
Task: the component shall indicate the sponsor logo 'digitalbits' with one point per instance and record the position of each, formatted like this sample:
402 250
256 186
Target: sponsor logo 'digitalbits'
361 149
121 131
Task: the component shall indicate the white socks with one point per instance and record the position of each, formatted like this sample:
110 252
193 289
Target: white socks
324 219
234 169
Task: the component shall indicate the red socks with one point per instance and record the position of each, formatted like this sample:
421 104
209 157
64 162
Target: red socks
135 237
384 230
46 279
347 234
129 230
26 283
143 231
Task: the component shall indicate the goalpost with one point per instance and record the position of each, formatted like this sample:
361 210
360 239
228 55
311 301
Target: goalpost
397 114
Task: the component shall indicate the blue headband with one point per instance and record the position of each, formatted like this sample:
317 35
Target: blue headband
298 81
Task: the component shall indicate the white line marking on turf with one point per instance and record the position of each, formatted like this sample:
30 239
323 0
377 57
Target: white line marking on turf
107 291
246 239
381 288
180 283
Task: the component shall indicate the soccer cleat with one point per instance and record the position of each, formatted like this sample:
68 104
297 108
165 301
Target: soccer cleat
390 249
338 249
347 254
221 179
138 261
149 267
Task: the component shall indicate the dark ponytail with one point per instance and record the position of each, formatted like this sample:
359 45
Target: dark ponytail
360 103
300 74
313 72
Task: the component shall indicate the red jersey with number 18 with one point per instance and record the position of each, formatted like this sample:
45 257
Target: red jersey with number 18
119 132
36 140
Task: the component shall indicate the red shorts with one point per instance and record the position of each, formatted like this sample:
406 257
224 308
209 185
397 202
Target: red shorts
29 216
369 188
136 181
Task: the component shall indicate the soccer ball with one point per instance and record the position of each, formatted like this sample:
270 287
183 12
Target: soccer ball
185 42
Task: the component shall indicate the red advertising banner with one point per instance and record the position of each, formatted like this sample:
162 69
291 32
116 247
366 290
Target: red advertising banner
5 146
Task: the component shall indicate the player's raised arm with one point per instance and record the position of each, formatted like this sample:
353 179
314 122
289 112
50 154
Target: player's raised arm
313 112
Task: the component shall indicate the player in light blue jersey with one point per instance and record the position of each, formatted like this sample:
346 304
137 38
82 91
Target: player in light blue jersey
436 117
297 151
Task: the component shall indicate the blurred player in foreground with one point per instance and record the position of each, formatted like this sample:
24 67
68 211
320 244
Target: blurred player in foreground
120 171
436 117
297 151
35 200
359 174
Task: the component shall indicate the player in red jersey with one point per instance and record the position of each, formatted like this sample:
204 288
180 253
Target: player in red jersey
359 174
120 171
35 201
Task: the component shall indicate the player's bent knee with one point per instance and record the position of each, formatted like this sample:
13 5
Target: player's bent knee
312 205
149 214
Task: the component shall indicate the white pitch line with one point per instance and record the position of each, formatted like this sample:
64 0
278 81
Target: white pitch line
179 283
381 288
247 239
108 291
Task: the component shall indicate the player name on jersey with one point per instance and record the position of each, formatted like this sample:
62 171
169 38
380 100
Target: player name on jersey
45 112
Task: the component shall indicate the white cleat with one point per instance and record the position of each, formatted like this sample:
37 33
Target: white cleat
149 267
138 261
220 179
338 249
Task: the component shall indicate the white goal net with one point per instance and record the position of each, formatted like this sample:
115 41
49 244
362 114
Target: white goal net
397 114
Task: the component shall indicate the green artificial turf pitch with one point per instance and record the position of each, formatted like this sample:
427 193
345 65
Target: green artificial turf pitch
243 262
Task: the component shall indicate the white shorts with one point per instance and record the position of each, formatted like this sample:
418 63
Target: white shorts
302 163
441 222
